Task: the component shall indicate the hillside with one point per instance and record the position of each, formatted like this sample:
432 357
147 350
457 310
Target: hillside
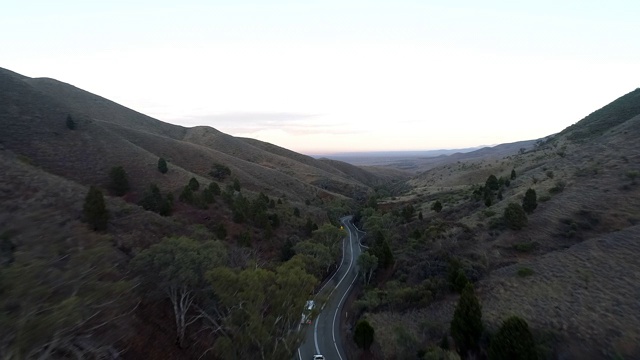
36 109
70 291
578 288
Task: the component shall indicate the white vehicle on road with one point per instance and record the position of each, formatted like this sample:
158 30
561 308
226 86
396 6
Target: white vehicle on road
318 357
306 313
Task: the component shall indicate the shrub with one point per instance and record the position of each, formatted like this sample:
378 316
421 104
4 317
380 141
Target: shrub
466 326
530 203
437 206
515 217
119 181
492 183
524 272
363 334
513 174
162 165
220 172
525 247
194 185
94 210
513 341
70 123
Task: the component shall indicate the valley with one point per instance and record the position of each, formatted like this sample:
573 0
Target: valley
214 254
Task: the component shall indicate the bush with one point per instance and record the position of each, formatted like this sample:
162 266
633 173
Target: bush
466 326
524 272
437 206
492 183
515 217
363 334
162 165
559 187
119 181
220 172
70 123
194 185
94 210
529 203
513 341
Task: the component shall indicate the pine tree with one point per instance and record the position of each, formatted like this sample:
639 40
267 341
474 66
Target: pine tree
513 174
466 326
194 185
119 181
515 217
530 201
94 210
162 165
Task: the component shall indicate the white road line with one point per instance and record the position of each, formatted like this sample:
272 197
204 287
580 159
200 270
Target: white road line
315 326
333 325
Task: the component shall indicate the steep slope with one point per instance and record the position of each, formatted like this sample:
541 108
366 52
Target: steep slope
108 134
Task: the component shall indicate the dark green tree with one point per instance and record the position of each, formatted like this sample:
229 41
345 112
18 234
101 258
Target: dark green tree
154 201
214 188
94 210
71 124
513 174
382 251
119 181
236 184
420 215
513 341
194 185
530 201
466 326
186 195
296 212
492 183
437 206
364 334
515 217
162 165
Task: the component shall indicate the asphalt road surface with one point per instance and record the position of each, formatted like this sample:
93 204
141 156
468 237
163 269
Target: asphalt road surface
323 334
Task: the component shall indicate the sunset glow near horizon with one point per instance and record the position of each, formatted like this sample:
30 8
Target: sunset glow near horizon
339 76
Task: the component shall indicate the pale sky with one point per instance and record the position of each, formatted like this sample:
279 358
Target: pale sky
329 76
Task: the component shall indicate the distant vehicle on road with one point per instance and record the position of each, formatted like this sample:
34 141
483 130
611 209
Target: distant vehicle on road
306 314
318 357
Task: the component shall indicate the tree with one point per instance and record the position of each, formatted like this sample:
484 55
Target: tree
492 183
513 341
119 180
513 174
175 267
296 212
437 206
367 263
466 326
420 215
162 165
530 201
154 201
515 217
194 185
94 210
236 184
186 195
364 334
382 251
214 188
257 311
71 124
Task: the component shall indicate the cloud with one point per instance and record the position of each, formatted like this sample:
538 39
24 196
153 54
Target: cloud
240 123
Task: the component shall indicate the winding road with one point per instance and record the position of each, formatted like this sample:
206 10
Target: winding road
323 334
